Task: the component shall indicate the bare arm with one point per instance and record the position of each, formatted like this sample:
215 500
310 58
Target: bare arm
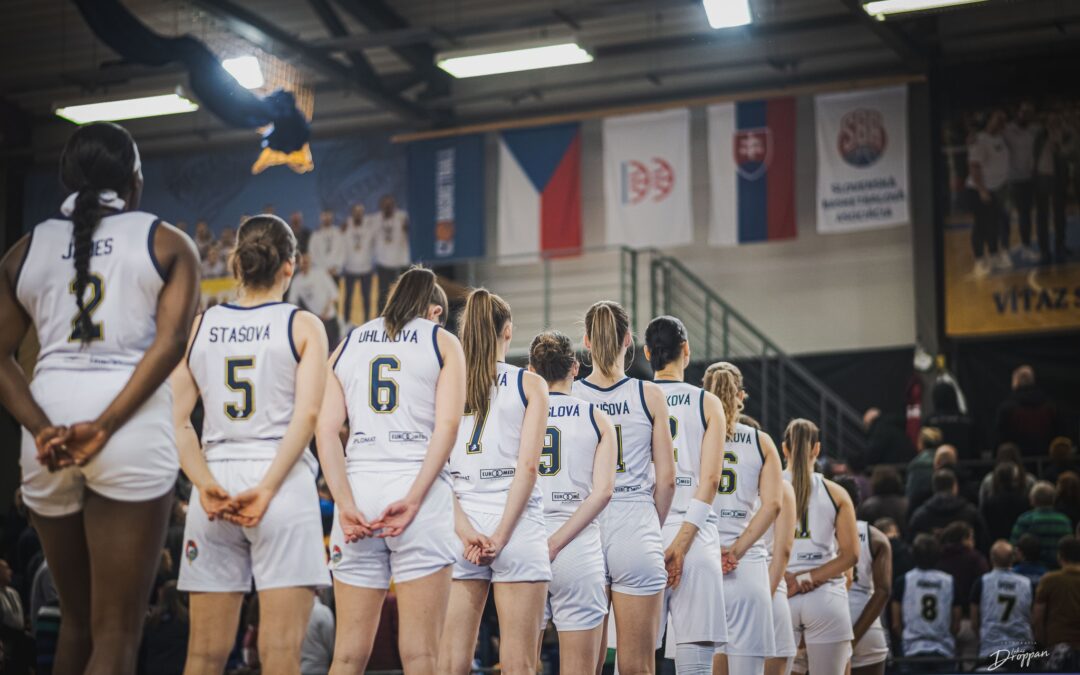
14 386
528 461
603 484
771 494
957 617
847 539
881 551
897 622
783 535
663 450
185 396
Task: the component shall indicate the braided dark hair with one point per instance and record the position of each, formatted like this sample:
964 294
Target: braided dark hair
97 157
664 336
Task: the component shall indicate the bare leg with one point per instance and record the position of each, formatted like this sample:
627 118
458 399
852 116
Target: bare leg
214 617
283 616
125 541
358 611
578 648
521 607
422 607
720 664
64 541
638 622
604 637
780 666
458 642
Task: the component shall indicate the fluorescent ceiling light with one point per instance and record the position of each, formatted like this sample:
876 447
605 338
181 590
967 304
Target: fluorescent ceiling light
246 70
880 8
127 109
728 13
515 60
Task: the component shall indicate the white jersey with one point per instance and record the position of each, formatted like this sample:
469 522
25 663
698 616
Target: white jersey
121 296
624 402
359 248
389 387
243 360
862 575
566 465
737 498
327 248
815 533
1004 611
391 239
927 613
686 406
484 459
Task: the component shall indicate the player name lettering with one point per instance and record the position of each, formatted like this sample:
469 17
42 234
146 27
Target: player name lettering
97 247
678 399
239 333
615 407
926 583
374 335
742 437
565 410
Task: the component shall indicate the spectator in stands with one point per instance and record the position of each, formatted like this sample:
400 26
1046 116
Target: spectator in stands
1067 499
213 265
1000 604
945 507
960 559
227 241
165 638
1006 503
1006 452
327 245
301 231
204 238
921 469
359 264
1043 521
1056 615
1028 553
925 608
16 646
886 442
314 289
946 457
392 252
887 498
1027 417
956 428
317 651
902 559
1062 459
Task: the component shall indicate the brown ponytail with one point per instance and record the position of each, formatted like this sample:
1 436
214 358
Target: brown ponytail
725 381
410 296
482 322
800 437
263 244
552 356
606 326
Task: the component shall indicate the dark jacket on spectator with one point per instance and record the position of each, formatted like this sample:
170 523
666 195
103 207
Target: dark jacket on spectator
884 506
965 565
920 473
1029 419
1000 512
956 428
886 442
942 509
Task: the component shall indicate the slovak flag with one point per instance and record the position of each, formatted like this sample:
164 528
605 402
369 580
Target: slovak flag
539 196
752 171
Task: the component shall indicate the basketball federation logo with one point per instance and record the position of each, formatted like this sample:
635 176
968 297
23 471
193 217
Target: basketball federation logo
641 181
191 551
335 554
862 139
753 151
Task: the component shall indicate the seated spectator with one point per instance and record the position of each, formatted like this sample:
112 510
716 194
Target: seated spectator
1001 604
165 638
1027 417
946 457
887 498
902 559
886 442
1008 500
1043 521
1006 452
1056 616
317 651
214 265
960 559
955 426
946 507
204 238
1062 459
1067 499
316 291
227 242
920 470
925 609
1028 552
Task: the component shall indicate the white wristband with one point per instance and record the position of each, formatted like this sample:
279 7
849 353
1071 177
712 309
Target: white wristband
698 513
805 578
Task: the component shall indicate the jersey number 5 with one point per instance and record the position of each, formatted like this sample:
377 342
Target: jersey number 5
234 382
96 285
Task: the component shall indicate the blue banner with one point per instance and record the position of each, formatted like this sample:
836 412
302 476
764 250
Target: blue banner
446 198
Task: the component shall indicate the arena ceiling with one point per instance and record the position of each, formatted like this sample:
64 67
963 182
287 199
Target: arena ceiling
370 62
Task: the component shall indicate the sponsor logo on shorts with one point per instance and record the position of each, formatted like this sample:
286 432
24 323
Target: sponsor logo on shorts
505 472
810 556
627 488
191 550
683 481
408 437
739 514
335 554
565 496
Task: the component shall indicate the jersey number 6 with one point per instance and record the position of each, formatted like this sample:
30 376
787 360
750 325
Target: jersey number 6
383 396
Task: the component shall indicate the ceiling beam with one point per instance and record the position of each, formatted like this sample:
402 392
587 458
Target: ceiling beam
910 54
333 24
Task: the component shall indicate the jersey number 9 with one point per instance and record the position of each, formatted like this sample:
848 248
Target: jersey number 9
551 456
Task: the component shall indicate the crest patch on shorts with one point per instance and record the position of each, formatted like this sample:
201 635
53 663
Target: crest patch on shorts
191 550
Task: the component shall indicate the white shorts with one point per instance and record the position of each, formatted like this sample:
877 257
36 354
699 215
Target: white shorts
822 615
749 610
871 648
696 606
633 548
524 558
781 615
284 550
577 595
426 546
139 463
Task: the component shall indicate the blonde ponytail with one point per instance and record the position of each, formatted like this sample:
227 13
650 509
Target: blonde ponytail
606 325
482 322
725 381
800 437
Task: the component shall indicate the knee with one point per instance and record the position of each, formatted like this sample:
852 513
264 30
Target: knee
350 658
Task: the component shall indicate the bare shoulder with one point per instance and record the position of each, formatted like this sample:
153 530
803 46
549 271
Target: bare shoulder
13 259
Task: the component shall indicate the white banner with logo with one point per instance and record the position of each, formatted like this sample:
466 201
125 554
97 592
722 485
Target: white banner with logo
647 179
862 150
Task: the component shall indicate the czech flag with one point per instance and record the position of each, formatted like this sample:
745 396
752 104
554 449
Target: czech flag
752 171
539 196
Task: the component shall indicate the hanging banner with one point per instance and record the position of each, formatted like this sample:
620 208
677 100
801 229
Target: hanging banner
751 171
862 150
446 198
647 179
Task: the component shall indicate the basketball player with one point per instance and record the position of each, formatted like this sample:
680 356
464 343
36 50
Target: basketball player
111 292
400 381
752 475
499 511
779 548
577 476
924 615
630 527
260 367
695 597
826 546
1001 604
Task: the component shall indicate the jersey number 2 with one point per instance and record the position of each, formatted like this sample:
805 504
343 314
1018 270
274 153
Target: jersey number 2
96 285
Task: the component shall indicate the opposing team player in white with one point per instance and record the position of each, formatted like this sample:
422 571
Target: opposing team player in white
925 613
577 476
695 597
260 367
746 504
1001 605
111 292
630 527
400 381
499 512
826 546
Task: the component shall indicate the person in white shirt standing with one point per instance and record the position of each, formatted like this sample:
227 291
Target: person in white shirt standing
316 291
359 264
326 247
392 254
1020 137
988 176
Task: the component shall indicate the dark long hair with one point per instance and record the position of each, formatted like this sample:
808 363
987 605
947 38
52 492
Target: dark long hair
97 157
664 336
